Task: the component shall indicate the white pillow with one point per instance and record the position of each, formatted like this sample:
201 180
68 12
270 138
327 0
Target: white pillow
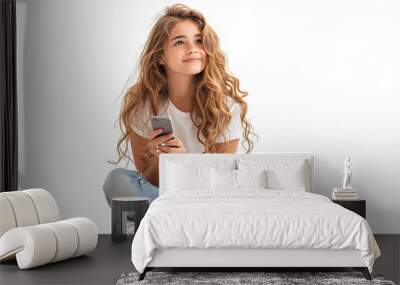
181 177
282 174
223 179
287 179
230 179
251 178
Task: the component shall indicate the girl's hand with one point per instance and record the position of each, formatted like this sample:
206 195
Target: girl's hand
151 149
172 146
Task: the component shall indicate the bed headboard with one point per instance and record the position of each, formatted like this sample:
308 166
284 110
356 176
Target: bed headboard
214 158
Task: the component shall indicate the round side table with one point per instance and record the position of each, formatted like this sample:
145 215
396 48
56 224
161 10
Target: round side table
119 209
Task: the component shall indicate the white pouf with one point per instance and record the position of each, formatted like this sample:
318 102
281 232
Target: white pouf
31 232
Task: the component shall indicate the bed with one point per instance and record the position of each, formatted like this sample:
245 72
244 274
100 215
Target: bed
248 210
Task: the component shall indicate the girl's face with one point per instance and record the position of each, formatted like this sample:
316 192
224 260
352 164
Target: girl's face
184 52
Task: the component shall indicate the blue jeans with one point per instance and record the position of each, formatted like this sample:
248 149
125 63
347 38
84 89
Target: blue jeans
122 182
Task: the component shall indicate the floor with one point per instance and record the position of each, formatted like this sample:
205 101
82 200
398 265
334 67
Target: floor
111 259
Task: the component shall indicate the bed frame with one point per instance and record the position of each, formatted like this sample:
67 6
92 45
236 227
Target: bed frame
244 259
247 259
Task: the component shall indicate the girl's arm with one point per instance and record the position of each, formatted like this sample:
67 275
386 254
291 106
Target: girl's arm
228 147
151 172
146 166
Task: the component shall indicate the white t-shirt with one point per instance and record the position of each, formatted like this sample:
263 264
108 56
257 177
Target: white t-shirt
182 125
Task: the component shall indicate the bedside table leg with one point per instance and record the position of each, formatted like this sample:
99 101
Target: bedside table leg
118 222
140 211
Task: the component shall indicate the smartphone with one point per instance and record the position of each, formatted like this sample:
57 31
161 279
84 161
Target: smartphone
163 123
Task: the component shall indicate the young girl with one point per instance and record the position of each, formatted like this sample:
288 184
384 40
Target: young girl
183 76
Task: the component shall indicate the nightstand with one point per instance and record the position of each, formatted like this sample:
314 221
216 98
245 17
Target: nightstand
119 208
357 206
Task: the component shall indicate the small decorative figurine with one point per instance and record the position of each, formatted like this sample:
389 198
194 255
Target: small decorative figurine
348 172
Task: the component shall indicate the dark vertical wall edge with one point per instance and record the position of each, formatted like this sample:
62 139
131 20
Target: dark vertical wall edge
8 95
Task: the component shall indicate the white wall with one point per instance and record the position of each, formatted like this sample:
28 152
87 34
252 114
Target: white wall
322 77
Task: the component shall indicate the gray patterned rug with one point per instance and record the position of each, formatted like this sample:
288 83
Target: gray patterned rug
230 278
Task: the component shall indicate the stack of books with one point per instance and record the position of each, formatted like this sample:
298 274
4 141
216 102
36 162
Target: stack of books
344 194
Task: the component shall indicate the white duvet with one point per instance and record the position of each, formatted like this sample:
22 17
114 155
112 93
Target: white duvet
250 218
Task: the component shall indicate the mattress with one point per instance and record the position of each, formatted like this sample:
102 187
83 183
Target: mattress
250 219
